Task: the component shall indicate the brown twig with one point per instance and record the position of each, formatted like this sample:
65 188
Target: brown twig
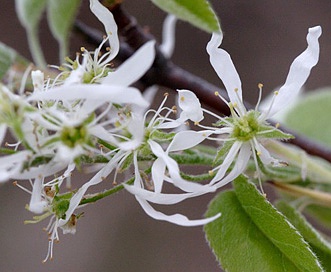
165 73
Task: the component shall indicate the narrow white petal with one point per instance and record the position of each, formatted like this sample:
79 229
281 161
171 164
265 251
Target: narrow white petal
107 19
45 170
190 106
299 72
159 198
187 139
168 36
37 80
37 204
133 68
177 219
99 177
225 69
174 171
264 155
239 166
106 93
230 157
12 164
158 172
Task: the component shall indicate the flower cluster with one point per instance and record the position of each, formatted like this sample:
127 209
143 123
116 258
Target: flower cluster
90 115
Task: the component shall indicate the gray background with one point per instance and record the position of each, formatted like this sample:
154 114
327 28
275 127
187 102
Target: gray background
263 37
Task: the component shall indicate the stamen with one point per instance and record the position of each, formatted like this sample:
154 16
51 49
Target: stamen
222 98
272 103
260 86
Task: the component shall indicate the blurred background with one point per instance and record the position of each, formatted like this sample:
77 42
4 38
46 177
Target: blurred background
263 38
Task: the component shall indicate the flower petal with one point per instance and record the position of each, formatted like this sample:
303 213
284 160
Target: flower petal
114 94
174 172
225 69
239 166
12 164
158 170
230 157
187 139
37 80
98 177
107 19
299 72
190 105
133 68
168 36
158 198
37 204
178 219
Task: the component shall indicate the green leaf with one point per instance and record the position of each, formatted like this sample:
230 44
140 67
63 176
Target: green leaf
197 12
61 15
251 235
29 13
311 116
9 58
319 245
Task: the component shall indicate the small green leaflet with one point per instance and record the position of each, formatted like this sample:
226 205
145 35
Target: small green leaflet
8 58
197 12
61 15
251 235
29 13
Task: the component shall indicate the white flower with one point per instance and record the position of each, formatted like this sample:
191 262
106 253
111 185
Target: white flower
46 201
95 66
145 135
181 141
248 129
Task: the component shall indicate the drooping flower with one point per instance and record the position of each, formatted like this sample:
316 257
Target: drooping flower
47 202
248 129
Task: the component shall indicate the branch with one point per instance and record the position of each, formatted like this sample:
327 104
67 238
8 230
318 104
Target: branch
165 73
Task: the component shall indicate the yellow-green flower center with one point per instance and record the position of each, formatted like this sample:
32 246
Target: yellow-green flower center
72 136
246 127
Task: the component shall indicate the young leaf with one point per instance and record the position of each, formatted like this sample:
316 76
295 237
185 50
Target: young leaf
9 58
252 236
315 110
319 245
197 12
29 13
61 15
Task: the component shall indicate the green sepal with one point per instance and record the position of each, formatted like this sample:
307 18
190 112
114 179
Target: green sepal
191 158
273 133
127 162
319 245
197 12
222 152
160 136
286 173
60 204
